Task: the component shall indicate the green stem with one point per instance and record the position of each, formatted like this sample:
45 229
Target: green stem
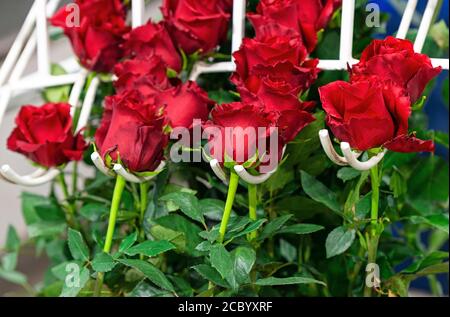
74 178
115 204
143 207
374 178
374 234
70 215
252 203
232 187
144 200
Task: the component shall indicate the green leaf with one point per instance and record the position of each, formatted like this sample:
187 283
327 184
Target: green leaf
221 96
50 213
151 272
253 226
150 248
319 192
45 229
441 138
429 260
273 226
61 270
103 262
439 221
339 240
179 224
94 211
222 261
73 285
187 203
12 240
9 261
128 242
210 274
276 281
301 228
57 93
398 184
163 233
212 208
347 173
288 251
77 246
13 277
244 259
439 32
29 201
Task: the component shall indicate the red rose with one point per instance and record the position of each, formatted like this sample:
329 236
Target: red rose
152 39
96 41
184 103
272 69
306 17
148 76
197 24
370 114
272 45
395 59
278 87
238 146
44 135
240 116
132 130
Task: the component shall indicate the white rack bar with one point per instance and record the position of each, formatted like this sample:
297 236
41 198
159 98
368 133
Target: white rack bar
137 13
425 25
406 19
43 54
346 41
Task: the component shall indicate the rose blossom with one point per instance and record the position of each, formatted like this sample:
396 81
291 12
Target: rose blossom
306 17
241 145
133 131
184 103
96 41
147 76
152 39
197 24
369 114
44 135
395 59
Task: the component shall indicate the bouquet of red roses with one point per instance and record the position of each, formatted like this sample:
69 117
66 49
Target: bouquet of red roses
229 184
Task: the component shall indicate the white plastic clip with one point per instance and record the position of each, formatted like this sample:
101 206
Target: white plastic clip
350 157
120 170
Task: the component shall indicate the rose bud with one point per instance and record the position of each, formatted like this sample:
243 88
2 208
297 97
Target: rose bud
96 41
370 114
277 87
44 135
242 141
252 131
147 76
395 59
149 40
306 17
197 25
184 103
132 131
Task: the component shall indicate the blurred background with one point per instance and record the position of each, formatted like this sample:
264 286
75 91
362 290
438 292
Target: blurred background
12 14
